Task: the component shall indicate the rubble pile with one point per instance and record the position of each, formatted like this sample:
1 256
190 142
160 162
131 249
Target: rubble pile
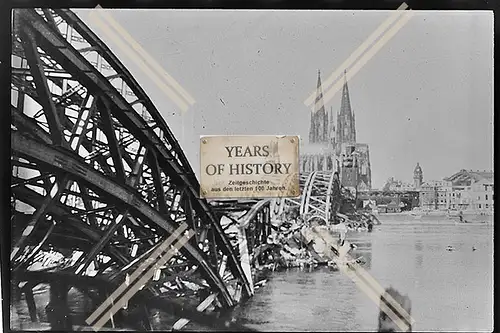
286 248
353 219
359 221
292 244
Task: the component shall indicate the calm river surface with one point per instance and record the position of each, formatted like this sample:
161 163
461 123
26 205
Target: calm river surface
449 290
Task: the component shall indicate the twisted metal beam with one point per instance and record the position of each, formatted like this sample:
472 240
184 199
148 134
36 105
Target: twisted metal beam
96 126
318 193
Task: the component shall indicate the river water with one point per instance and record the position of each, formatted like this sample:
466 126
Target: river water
449 290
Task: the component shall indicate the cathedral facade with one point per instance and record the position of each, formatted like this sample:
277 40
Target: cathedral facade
319 153
334 148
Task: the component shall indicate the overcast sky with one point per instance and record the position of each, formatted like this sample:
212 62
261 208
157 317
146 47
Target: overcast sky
425 97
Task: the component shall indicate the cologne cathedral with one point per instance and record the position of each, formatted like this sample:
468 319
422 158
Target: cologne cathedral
333 147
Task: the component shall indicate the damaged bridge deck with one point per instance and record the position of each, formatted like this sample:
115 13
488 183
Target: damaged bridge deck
99 182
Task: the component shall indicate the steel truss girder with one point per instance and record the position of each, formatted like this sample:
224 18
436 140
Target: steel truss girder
253 227
61 212
319 191
142 297
68 163
171 160
36 69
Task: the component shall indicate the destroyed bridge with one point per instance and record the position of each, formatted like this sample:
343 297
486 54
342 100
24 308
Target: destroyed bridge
99 178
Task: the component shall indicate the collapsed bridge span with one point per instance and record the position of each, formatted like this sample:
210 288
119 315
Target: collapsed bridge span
320 198
97 175
99 182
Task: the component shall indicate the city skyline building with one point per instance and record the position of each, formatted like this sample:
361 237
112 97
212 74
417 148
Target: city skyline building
319 153
346 121
418 177
355 156
333 147
319 131
397 185
464 190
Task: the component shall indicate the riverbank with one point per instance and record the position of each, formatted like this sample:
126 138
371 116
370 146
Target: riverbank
434 217
450 291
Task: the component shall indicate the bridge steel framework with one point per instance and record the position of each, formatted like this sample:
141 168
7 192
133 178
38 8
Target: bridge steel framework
320 194
96 168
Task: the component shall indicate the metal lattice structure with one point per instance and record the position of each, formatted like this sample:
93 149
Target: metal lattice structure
320 192
96 169
247 224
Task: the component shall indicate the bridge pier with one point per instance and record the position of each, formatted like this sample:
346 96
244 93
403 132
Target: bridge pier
110 176
57 310
30 302
245 255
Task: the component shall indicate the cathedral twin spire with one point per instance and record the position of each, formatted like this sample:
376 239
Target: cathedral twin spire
346 122
323 126
319 119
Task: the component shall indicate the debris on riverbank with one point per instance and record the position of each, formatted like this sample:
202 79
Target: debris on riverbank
297 245
293 244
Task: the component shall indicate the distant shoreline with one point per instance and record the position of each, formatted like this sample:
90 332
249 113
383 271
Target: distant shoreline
439 213
434 216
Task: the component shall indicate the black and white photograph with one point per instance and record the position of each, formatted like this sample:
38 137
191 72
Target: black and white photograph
250 170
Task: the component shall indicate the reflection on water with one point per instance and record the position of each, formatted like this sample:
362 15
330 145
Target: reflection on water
449 290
